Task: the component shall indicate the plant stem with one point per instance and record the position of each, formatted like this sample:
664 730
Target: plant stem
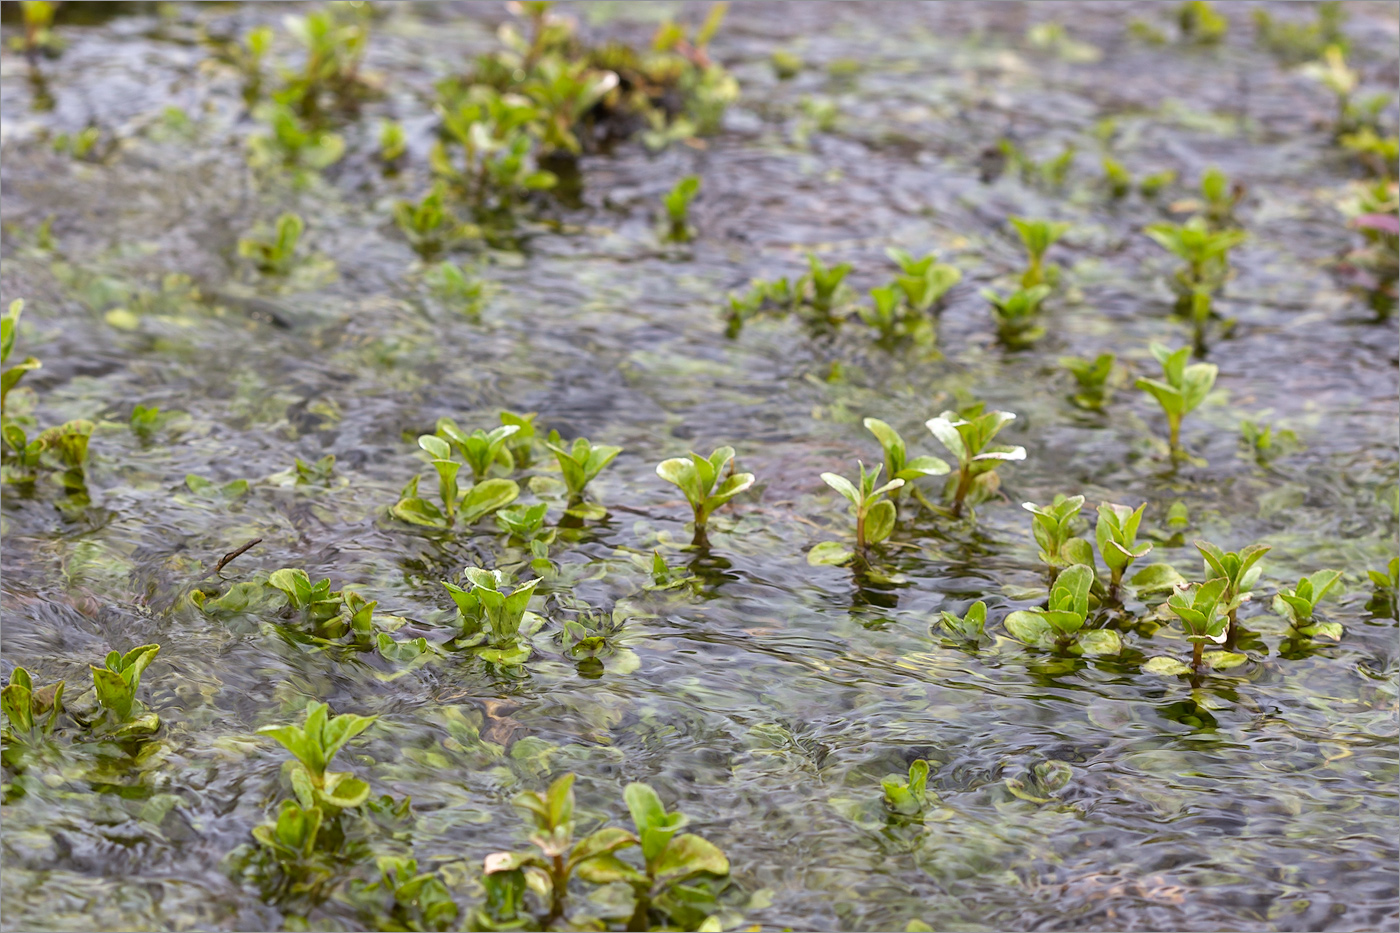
860 529
1197 650
560 889
1232 630
1174 424
964 483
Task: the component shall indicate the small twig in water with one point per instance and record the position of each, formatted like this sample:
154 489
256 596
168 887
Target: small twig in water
233 555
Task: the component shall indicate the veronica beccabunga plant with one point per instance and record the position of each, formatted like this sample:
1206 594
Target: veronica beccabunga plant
313 745
1017 315
1060 626
458 505
1054 527
898 464
968 437
677 204
1201 609
1092 378
875 515
580 462
1038 236
1240 570
1181 389
493 617
1297 603
1116 533
696 477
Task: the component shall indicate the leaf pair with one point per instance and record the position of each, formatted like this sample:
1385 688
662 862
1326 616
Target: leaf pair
969 440
1054 527
1181 389
1037 236
581 462
908 797
1116 534
1060 625
117 682
1297 604
969 627
897 462
25 706
314 744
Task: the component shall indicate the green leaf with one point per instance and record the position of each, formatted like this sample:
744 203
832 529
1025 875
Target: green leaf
843 486
1169 667
688 855
1157 578
419 512
487 496
1100 641
879 521
1030 627
1223 660
829 554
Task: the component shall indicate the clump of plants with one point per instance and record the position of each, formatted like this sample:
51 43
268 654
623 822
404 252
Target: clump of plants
428 225
1092 378
1296 42
292 142
968 629
875 515
1180 391
1055 527
968 436
455 504
1201 609
1240 570
1060 625
63 449
674 887
697 476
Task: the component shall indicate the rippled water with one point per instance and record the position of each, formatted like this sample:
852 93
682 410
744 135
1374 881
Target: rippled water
772 698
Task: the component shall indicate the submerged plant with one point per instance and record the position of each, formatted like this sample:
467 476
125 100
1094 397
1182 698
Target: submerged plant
292 142
1038 236
1054 527
696 477
278 255
1042 783
1116 534
1017 315
1298 603
1092 378
581 462
314 745
967 628
1060 626
28 708
875 515
491 616
908 798
403 898
1181 389
677 203
968 436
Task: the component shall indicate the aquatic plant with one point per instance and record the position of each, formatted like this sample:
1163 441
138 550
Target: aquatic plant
884 314
825 282
318 473
1092 378
1201 23
559 854
457 286
277 255
480 449
1264 443
39 36
525 522
292 837
1051 172
427 225
1038 236
897 462
393 141
1116 535
1219 197
1153 183
466 506
1181 389
967 628
1343 81
9 326
924 281
1201 609
1016 315
1054 528
1117 178
778 296
677 204
1240 570
907 797
696 477
1042 783
29 708
491 616
403 898
1206 253
968 436
1297 603
1060 626
335 39
291 142
314 745
875 515
581 462
1387 584
1296 42
786 64
116 684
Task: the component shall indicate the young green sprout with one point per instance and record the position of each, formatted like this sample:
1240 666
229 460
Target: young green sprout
1201 23
1201 609
275 256
525 522
1264 443
1297 604
884 313
1038 236
1152 184
1240 570
1092 377
393 141
581 463
897 462
907 798
786 64
1060 626
427 225
924 281
1017 315
314 744
1054 528
968 628
1116 533
675 868
1206 253
457 286
1117 178
521 444
875 515
1220 197
27 707
826 282
491 616
479 449
10 378
696 477
677 202
969 439
1181 389
1387 584
292 838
